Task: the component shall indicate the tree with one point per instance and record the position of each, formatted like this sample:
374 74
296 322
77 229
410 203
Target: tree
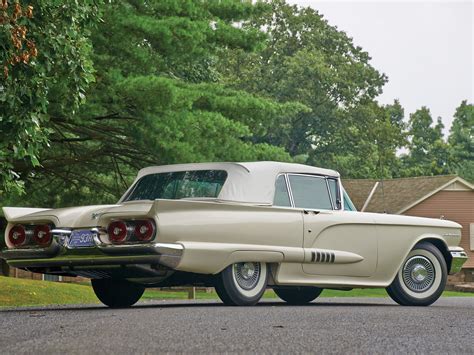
46 66
428 152
308 61
367 147
461 141
156 100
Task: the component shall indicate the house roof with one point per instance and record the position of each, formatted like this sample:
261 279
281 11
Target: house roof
396 195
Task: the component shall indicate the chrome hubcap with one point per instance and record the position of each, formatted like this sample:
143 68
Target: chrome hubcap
247 274
248 269
418 273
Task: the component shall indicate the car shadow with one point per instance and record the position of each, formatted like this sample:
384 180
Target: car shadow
166 304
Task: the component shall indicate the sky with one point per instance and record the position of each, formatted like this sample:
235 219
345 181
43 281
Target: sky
424 47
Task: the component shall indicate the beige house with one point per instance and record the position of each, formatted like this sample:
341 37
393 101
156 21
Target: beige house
447 196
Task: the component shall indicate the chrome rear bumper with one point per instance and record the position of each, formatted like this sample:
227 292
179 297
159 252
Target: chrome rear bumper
60 254
168 254
459 257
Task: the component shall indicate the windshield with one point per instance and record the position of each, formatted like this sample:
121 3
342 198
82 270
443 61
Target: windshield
177 185
348 205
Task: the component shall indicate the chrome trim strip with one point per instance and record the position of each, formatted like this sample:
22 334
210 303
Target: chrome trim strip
61 231
87 261
288 188
31 253
452 235
459 257
341 192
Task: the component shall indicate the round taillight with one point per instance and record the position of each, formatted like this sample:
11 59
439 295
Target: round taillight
17 235
117 231
144 230
42 235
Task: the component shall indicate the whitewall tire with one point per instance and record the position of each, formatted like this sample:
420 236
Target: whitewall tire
421 278
242 284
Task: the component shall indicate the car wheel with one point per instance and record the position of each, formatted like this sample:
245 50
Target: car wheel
422 277
298 295
242 284
117 293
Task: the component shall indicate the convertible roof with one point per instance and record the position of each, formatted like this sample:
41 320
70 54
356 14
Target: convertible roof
250 182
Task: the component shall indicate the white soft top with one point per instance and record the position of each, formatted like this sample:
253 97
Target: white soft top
252 182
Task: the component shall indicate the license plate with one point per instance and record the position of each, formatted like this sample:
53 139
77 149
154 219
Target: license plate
82 239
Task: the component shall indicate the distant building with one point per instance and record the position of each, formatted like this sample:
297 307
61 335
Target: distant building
447 196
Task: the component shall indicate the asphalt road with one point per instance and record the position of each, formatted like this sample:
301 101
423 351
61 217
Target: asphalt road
336 325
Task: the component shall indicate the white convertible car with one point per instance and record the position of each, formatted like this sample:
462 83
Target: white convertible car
240 227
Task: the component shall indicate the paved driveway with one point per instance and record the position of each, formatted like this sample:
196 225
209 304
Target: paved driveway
336 325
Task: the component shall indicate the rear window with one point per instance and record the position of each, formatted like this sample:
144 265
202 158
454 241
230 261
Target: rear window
177 185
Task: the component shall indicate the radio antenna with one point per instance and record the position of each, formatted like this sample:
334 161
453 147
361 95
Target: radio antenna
381 179
383 196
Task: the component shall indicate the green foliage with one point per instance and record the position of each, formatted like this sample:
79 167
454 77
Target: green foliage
461 141
156 100
367 146
428 152
92 91
45 57
308 61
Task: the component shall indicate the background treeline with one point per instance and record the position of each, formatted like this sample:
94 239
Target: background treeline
92 91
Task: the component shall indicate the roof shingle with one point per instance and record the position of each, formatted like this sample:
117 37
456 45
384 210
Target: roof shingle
392 195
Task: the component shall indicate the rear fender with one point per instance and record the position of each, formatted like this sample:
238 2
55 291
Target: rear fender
13 213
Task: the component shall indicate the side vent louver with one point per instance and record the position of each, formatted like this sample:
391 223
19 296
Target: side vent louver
322 257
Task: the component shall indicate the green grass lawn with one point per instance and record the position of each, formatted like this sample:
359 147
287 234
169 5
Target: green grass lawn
24 292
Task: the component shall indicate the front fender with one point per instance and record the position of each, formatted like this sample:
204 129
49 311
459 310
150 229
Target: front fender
435 239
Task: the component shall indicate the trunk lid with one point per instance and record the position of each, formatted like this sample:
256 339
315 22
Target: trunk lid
75 217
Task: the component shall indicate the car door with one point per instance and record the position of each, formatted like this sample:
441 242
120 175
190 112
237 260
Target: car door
336 242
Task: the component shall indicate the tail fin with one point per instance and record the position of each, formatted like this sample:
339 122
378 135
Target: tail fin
12 213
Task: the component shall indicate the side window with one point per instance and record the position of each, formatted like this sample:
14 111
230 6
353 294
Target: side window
281 193
336 199
310 192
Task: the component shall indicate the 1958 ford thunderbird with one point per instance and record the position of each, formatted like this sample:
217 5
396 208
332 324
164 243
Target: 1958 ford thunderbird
240 227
